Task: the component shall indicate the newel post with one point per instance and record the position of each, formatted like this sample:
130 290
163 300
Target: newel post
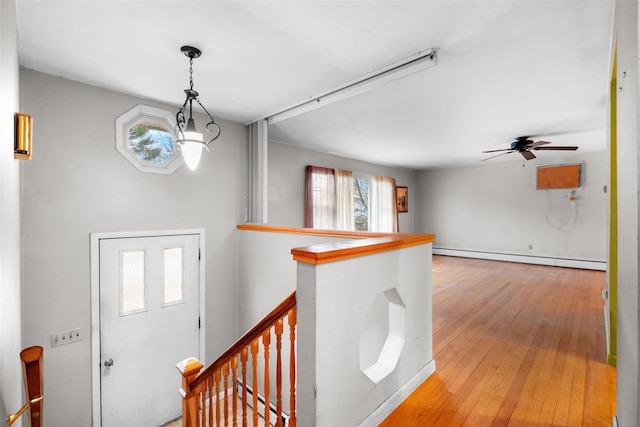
189 369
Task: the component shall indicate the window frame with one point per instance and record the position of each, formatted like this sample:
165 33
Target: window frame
156 115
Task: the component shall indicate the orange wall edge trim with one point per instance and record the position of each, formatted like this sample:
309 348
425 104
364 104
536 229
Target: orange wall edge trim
364 243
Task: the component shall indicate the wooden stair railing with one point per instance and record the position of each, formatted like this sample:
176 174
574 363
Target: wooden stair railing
203 391
32 369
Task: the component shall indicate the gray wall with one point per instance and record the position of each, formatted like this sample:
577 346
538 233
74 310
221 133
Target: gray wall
77 183
628 377
286 182
11 391
494 207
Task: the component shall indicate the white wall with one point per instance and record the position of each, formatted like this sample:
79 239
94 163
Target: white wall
77 183
267 271
11 391
628 376
494 207
286 182
334 300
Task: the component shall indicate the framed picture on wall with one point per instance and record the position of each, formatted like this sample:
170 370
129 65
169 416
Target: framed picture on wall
402 199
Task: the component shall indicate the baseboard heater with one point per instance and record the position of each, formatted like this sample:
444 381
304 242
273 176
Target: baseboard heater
524 259
261 406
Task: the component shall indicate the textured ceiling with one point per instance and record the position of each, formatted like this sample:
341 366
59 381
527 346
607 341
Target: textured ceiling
505 68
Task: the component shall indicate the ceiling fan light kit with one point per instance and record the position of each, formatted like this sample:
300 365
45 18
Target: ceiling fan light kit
524 145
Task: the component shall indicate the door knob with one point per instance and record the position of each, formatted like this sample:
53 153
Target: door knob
108 363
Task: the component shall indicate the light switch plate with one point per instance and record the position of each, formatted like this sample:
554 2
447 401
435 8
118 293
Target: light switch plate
66 337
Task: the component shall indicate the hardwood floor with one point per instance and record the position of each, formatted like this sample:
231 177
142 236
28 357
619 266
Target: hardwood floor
515 345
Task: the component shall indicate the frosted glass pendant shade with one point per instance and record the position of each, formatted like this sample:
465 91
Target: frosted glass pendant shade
191 150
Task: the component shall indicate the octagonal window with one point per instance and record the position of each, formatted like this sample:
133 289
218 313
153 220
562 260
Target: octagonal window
144 136
382 336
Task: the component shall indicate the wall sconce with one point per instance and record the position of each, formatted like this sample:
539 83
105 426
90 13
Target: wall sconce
23 135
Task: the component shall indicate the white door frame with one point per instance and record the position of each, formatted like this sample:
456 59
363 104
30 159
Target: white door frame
95 304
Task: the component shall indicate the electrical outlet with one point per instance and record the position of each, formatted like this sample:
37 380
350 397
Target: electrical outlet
66 337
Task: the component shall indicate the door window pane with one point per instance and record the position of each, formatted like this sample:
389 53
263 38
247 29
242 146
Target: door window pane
173 282
133 288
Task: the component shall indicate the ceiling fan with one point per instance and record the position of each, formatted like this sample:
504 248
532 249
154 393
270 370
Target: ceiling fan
524 145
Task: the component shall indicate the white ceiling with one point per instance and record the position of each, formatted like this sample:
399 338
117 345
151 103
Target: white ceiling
505 68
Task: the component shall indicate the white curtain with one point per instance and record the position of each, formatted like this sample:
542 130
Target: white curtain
382 199
320 198
345 218
330 201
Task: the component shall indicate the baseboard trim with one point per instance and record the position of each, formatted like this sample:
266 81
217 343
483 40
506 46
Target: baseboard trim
383 411
524 259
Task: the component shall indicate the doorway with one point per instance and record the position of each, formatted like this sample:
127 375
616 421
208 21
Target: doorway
147 303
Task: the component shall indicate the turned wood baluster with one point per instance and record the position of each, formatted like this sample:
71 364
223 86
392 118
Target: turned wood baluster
225 374
279 329
217 381
234 390
254 366
209 417
203 402
292 368
243 359
266 342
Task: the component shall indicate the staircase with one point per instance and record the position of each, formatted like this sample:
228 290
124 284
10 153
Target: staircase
352 290
242 376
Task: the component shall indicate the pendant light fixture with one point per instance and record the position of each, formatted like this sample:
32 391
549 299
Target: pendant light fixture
188 138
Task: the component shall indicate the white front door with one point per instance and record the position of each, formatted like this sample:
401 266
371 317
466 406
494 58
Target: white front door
149 321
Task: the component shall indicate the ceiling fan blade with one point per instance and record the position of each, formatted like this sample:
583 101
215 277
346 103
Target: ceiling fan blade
495 151
537 143
565 148
528 155
498 155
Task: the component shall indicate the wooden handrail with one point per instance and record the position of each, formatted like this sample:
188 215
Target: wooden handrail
32 368
245 341
311 231
330 252
363 243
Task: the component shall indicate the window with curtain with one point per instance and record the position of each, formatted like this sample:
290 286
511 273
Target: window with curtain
320 198
382 216
336 199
